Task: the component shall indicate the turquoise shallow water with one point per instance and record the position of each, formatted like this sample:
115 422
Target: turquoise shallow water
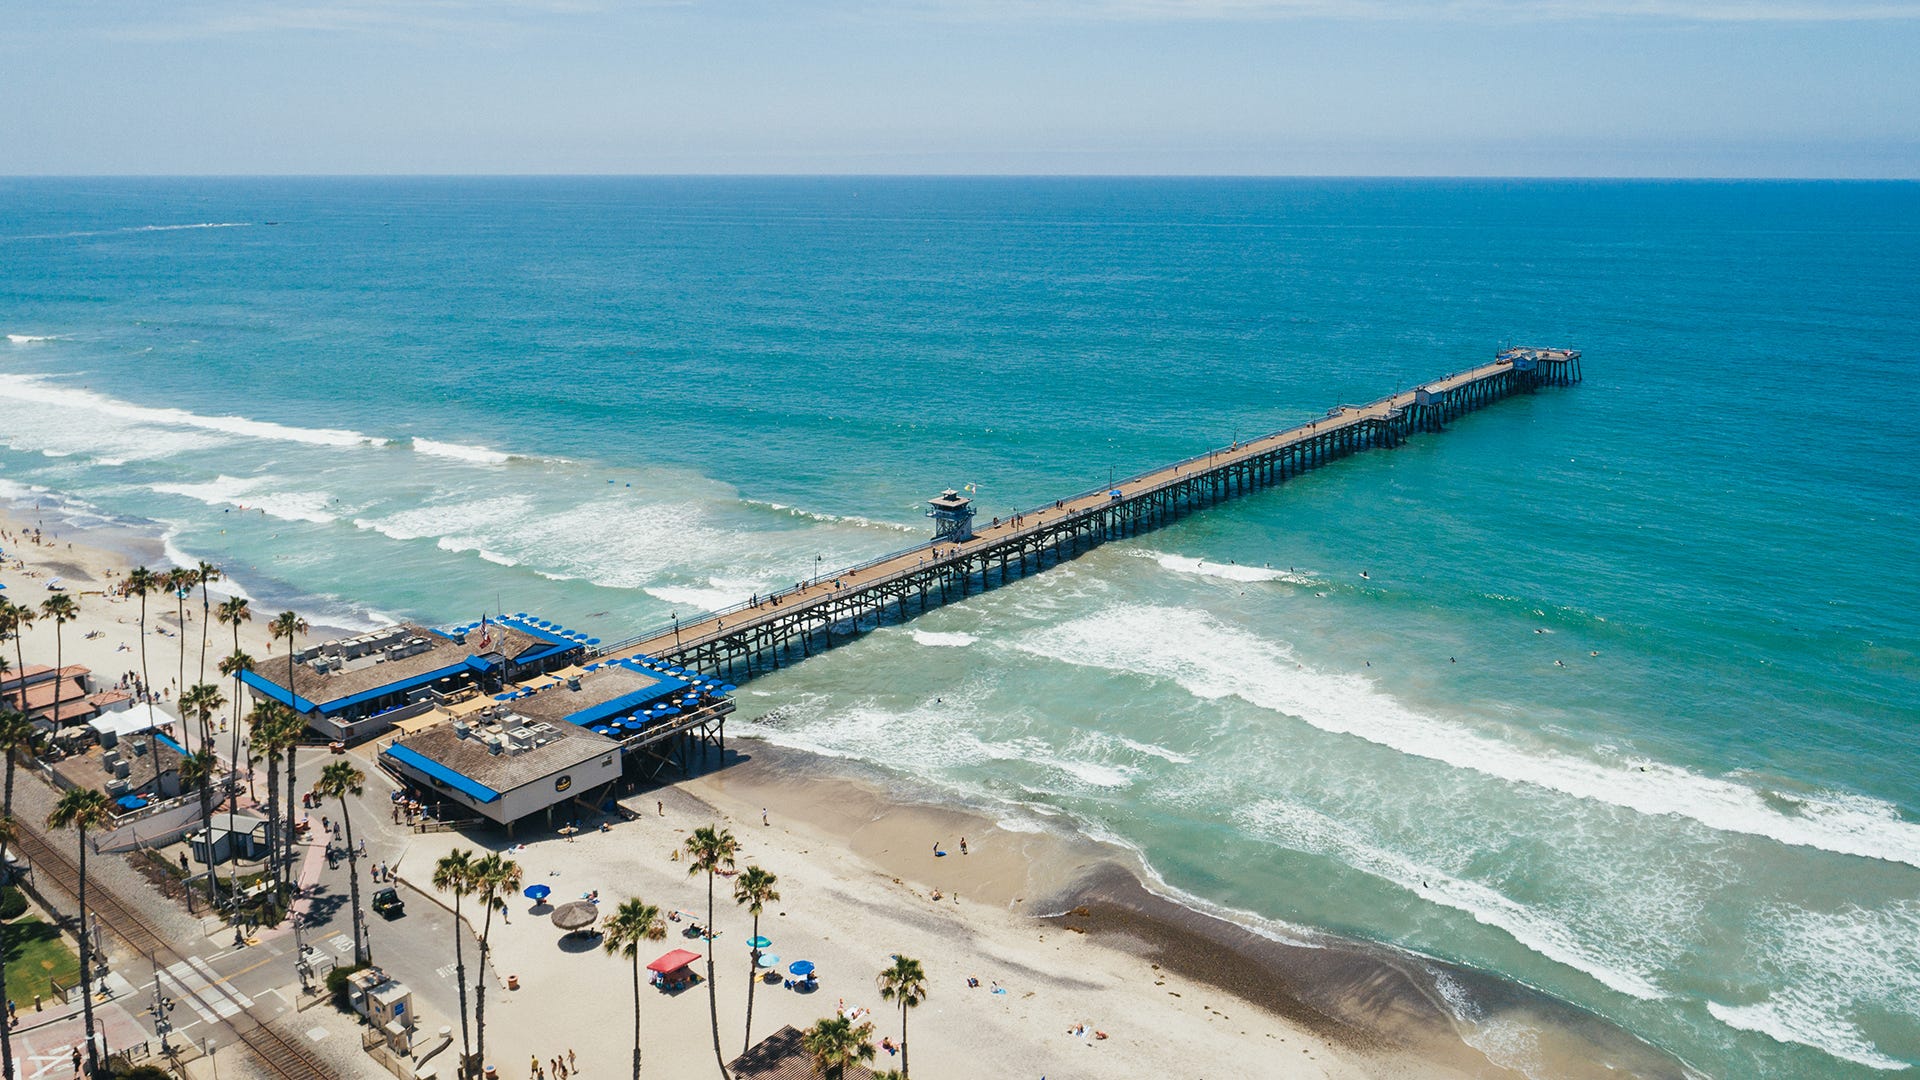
1626 706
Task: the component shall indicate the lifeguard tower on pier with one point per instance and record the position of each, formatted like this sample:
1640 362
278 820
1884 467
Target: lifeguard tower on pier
952 515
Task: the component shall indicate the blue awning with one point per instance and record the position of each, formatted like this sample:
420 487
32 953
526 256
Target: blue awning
458 781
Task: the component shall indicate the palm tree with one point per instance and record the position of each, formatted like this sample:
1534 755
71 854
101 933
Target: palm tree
17 735
906 983
454 874
179 582
340 780
62 609
202 700
233 612
140 582
196 771
6 1028
274 729
232 667
14 620
495 879
754 888
286 625
633 922
204 574
836 1043
709 849
82 809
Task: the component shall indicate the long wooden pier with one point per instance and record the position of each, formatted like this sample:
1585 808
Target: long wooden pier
739 642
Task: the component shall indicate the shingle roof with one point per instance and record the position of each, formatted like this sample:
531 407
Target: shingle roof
780 1057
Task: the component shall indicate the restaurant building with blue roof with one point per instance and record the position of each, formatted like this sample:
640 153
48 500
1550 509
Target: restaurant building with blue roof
355 688
565 737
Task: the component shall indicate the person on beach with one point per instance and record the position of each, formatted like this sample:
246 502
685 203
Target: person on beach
963 845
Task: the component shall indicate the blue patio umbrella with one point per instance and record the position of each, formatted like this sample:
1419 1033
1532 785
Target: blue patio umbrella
538 892
801 968
728 688
603 730
669 711
593 641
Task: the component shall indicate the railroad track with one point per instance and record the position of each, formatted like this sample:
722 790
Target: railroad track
51 864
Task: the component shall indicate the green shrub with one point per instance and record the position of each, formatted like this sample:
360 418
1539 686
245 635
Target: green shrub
13 903
337 984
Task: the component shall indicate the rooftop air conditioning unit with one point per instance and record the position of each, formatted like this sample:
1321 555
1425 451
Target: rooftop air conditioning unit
461 729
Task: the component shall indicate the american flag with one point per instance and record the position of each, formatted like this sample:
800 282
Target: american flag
486 632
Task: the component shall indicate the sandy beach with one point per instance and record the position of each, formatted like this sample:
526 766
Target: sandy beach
1063 939
91 564
1061 925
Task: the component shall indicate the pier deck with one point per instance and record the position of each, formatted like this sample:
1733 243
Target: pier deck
746 639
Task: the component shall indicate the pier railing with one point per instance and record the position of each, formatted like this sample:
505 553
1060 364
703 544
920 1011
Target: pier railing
1389 408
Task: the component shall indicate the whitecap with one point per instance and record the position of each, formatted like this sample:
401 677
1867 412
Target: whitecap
461 544
41 391
246 493
1211 661
1181 564
30 339
1787 1020
478 455
1545 932
1151 750
952 640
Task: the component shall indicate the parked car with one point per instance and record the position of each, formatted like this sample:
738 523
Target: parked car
387 902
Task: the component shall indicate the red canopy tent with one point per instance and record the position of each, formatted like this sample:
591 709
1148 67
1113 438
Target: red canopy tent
671 969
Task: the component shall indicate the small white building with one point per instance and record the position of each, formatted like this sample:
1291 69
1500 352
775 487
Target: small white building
244 835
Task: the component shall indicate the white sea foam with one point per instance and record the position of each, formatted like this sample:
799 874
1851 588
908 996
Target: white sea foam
1545 932
1792 1019
1151 750
248 493
931 738
834 519
29 339
448 518
461 543
1830 967
1224 571
1211 660
43 392
713 596
478 455
1509 1045
951 640
195 225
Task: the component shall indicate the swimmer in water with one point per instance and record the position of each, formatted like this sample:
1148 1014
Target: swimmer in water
1366 575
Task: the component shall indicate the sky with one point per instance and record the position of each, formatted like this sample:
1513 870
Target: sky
1681 88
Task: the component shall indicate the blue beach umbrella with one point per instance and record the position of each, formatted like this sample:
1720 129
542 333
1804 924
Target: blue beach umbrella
759 943
538 892
769 961
801 968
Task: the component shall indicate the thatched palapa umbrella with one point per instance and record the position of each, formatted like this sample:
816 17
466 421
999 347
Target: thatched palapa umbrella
577 915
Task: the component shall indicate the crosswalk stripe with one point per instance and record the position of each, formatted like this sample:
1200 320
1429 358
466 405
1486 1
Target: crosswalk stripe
223 989
189 988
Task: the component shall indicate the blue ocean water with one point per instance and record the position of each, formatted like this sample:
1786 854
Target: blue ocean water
1624 706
